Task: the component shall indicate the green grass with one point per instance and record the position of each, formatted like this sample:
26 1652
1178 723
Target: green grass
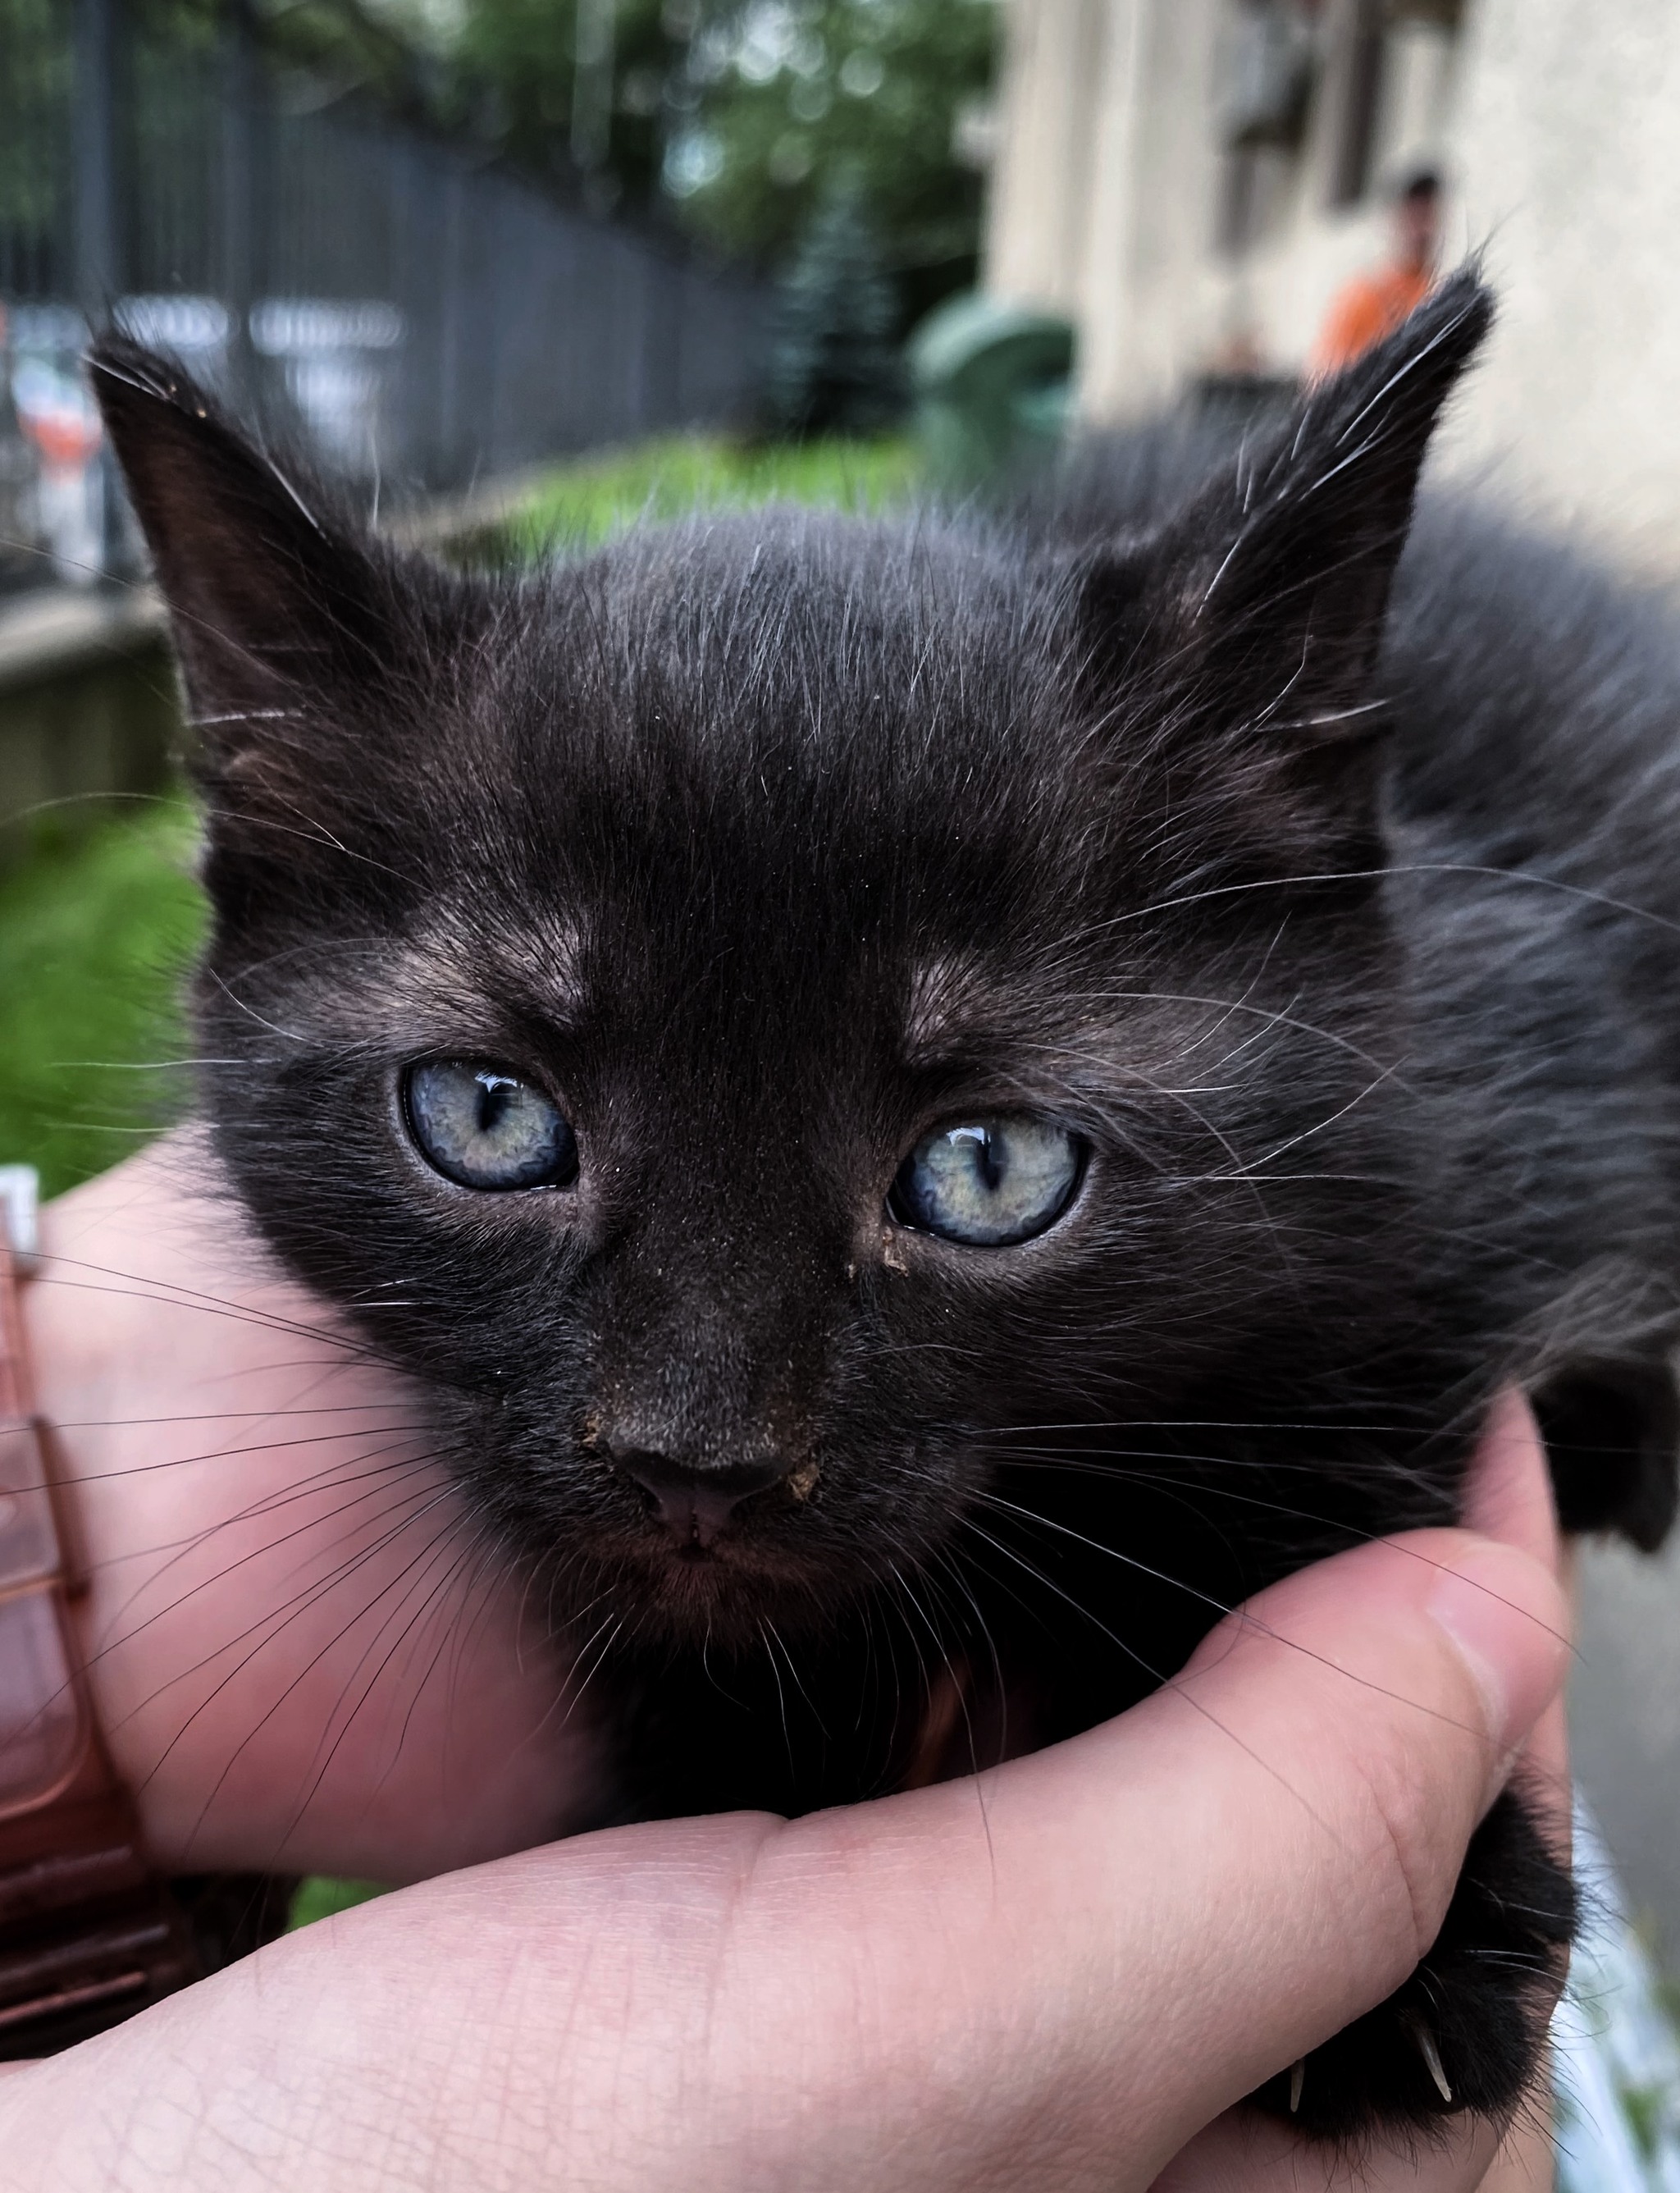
94 939
584 503
320 1897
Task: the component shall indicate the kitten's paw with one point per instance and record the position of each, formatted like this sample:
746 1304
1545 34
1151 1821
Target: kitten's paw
1468 2030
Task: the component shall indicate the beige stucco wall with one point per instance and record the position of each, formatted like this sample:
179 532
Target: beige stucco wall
1145 301
1100 194
1567 150
1041 179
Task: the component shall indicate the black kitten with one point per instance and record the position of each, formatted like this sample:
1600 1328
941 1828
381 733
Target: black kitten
957 1095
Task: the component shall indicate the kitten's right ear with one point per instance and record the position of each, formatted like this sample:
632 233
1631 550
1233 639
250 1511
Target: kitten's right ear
270 593
1249 626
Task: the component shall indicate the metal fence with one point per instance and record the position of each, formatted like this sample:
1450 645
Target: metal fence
415 318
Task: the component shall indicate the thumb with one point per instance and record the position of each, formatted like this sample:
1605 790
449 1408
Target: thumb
1157 1916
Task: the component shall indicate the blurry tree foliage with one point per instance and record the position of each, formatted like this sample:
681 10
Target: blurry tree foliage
35 80
833 367
575 92
739 121
791 102
743 117
742 111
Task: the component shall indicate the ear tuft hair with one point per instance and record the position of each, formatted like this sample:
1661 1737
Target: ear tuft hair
1264 599
268 587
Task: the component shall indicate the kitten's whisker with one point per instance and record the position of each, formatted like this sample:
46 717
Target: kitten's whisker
1249 1171
967 1522
308 1668
416 1502
1243 1613
903 1593
1352 1531
434 1594
339 1475
212 1417
1166 1683
1337 1428
429 1492
345 1470
286 1035
231 1453
137 1284
781 1696
797 1679
612 1625
290 1612
1117 1468
1342 876
489 1564
35 807
943 1559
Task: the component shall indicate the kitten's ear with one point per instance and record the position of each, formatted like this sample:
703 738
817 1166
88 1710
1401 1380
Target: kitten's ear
270 593
1259 610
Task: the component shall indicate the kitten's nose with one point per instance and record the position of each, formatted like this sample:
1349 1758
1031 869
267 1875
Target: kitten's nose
695 1503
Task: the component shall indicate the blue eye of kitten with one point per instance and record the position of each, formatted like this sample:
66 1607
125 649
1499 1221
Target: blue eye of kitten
990 1184
484 1128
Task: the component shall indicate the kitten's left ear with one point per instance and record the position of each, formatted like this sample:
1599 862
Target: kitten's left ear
269 591
1258 611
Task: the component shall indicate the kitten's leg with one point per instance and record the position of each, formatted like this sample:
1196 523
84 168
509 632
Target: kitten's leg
1468 2030
1612 1433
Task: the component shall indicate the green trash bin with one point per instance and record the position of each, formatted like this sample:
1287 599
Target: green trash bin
992 384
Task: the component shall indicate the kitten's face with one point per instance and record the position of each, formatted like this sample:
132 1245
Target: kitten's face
779 1020
755 922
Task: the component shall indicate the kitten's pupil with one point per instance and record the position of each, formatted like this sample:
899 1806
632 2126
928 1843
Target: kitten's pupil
986 1154
495 1092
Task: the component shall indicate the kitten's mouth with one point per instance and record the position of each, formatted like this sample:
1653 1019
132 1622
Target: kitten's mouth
706 1570
719 1590
727 1549
700 1557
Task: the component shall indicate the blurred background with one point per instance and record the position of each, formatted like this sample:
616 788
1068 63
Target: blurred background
515 272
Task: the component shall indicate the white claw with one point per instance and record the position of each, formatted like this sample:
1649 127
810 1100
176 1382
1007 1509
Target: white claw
1432 2056
1297 2080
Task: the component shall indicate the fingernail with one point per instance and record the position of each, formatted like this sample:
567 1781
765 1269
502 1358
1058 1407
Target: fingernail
1508 1635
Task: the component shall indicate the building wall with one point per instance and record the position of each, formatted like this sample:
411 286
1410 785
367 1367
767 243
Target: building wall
1035 240
1556 122
1569 149
1110 193
1282 285
1567 153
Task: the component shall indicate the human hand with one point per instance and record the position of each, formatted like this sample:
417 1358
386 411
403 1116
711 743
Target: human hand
305 1656
1061 1976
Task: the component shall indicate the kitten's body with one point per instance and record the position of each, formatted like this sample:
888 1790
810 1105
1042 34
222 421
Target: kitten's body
768 843
1534 803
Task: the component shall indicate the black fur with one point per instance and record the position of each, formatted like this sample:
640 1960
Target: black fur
1346 931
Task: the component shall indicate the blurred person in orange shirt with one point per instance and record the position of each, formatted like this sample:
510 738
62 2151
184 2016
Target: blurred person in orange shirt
1372 306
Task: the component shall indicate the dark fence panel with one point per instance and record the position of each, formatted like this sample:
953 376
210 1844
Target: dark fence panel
37 156
415 318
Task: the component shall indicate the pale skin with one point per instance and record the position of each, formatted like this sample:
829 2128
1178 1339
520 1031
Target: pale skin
1062 1977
